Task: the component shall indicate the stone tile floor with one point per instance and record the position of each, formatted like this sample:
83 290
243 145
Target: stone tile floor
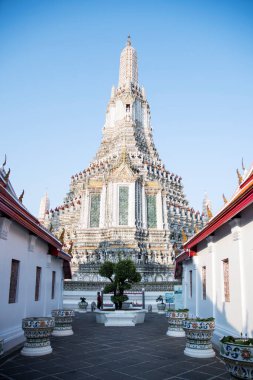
114 353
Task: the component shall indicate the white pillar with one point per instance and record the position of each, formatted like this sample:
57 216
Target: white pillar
144 208
115 204
131 205
236 234
109 205
165 212
84 210
197 283
211 252
185 281
102 207
159 210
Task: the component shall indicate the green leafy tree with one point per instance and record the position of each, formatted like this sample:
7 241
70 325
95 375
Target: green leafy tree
121 275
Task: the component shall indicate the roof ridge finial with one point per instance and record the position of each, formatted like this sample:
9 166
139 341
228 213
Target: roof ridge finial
129 40
5 160
21 196
240 179
243 167
224 199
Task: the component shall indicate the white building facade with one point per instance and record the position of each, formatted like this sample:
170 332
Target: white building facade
32 266
216 267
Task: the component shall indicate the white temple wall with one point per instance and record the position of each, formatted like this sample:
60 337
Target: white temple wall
131 205
159 210
102 207
247 253
234 242
144 208
119 110
16 247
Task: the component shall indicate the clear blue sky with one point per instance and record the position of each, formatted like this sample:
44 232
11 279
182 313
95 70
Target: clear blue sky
59 60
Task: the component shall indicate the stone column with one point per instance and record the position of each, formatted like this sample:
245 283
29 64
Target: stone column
197 283
165 211
131 205
236 235
102 207
85 210
144 208
115 204
211 251
159 210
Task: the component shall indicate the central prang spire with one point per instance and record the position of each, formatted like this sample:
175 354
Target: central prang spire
128 70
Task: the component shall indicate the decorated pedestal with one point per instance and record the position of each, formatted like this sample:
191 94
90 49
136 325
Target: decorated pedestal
238 357
37 331
63 322
198 338
120 317
82 305
175 320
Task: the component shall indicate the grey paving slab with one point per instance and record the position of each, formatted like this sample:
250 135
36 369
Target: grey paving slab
142 352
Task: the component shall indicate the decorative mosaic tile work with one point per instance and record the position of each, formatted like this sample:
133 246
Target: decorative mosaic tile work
151 211
226 280
123 206
94 210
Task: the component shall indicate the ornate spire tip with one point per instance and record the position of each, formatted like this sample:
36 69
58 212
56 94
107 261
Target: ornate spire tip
129 40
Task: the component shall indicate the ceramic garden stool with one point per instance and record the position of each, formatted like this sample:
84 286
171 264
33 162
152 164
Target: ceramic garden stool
198 338
175 320
37 331
63 322
238 358
161 308
82 306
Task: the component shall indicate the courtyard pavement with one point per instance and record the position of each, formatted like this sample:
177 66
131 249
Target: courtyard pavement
114 353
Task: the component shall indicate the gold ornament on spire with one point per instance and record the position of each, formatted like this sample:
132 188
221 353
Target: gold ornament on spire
124 155
196 230
7 175
224 199
243 167
5 160
240 179
209 212
21 196
61 238
51 227
184 236
70 248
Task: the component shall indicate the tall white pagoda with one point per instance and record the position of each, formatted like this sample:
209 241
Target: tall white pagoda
125 204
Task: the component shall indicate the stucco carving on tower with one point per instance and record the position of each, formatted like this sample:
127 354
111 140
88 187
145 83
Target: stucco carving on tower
126 203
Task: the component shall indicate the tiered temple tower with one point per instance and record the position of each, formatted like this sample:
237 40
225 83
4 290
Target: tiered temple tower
125 204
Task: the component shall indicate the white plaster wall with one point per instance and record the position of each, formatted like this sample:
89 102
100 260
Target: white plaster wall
16 247
159 210
119 110
233 241
71 298
131 205
247 249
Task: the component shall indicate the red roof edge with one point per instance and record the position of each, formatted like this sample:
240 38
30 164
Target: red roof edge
184 255
232 209
15 211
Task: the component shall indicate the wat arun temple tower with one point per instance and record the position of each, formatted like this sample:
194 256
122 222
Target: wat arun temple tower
125 204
